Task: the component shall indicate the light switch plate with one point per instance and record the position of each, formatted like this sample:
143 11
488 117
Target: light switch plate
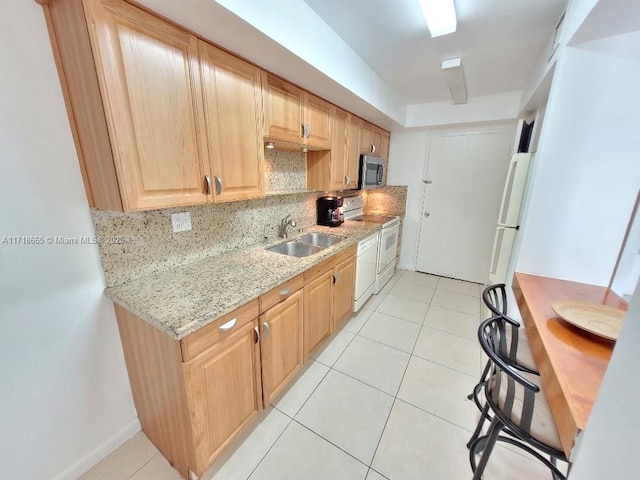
181 221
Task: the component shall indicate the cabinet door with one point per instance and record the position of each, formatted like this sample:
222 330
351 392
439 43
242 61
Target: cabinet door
353 150
319 115
377 140
384 145
232 95
281 345
339 175
318 311
284 106
366 138
224 391
147 70
344 290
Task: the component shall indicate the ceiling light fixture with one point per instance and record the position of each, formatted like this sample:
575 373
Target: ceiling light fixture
269 145
440 16
454 75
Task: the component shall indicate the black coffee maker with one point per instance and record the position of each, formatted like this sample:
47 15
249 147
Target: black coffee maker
329 211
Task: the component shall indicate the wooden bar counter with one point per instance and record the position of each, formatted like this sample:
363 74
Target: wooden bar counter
572 362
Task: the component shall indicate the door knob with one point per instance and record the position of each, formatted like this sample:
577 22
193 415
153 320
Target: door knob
426 214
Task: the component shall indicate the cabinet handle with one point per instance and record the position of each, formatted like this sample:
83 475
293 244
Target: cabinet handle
304 131
308 131
257 332
347 179
219 185
228 326
285 291
373 148
266 330
207 187
337 277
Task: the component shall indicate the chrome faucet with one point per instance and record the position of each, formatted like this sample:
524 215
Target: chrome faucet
285 223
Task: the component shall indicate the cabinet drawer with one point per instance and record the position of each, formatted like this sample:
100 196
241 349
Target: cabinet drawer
275 296
220 329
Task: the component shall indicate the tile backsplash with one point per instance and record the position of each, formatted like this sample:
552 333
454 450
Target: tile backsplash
150 246
284 170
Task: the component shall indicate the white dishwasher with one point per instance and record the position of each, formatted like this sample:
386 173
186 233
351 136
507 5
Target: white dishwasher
366 269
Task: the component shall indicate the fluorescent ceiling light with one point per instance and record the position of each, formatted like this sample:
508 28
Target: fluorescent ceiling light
440 16
454 76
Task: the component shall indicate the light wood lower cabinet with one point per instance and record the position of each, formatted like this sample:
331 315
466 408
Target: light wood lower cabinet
328 298
224 392
318 311
195 395
281 345
344 275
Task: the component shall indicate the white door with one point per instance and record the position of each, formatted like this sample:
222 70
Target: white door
465 178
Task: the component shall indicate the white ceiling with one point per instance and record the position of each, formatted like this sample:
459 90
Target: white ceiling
499 42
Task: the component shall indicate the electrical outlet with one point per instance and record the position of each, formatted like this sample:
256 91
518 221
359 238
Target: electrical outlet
181 221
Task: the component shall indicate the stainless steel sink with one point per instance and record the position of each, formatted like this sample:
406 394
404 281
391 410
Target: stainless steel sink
320 239
295 249
306 245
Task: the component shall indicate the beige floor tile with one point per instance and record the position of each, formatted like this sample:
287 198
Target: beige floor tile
505 464
158 468
373 475
457 323
301 454
356 322
124 461
374 301
403 308
348 413
456 301
449 350
412 291
293 399
252 450
417 445
375 364
391 331
419 278
459 286
334 348
440 391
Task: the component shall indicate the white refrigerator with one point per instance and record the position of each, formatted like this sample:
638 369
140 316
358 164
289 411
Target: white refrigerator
509 217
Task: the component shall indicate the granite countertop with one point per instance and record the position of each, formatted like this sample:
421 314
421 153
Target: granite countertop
182 300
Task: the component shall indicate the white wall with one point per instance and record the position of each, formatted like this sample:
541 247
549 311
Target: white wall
609 445
586 173
407 156
65 399
408 165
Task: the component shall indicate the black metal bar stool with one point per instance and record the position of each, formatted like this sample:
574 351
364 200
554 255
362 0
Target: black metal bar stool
517 404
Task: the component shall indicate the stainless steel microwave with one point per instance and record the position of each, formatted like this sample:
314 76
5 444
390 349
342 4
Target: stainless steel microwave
372 172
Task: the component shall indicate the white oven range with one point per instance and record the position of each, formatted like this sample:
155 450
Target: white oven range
387 245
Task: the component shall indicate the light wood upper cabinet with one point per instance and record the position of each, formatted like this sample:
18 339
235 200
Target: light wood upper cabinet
133 94
353 149
318 119
284 106
281 345
232 93
384 144
295 116
337 169
224 392
366 138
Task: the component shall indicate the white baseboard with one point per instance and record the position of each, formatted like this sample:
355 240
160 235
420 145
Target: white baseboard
92 458
406 266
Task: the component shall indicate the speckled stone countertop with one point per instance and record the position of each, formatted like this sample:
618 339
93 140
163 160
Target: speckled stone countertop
182 300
